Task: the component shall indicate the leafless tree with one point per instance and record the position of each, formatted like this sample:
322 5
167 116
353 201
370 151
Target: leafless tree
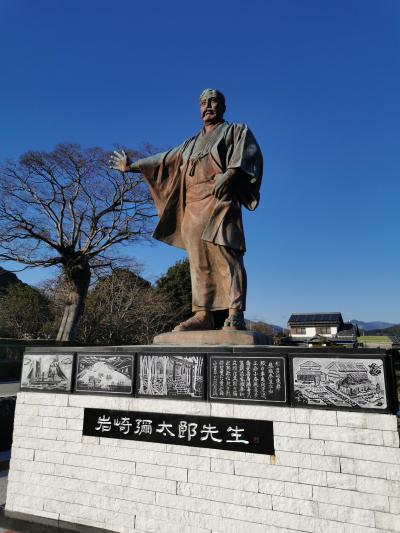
123 308
66 208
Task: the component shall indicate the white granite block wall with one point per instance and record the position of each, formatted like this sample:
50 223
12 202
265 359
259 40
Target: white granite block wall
332 472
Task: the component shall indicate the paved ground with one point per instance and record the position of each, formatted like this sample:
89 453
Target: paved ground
9 388
3 488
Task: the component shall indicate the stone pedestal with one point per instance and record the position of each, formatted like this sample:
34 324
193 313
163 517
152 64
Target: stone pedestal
212 338
332 471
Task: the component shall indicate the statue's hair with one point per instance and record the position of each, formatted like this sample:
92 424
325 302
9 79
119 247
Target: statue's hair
218 94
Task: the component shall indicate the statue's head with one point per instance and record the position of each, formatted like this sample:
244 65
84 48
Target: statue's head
212 106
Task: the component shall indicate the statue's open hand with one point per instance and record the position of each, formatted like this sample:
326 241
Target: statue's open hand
119 161
223 183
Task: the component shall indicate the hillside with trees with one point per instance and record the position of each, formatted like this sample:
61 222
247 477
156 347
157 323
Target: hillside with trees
7 280
121 308
25 312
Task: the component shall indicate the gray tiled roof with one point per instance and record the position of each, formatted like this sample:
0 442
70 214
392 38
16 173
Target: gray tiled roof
313 319
348 331
344 366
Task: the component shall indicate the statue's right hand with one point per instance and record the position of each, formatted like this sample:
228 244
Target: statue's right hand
119 161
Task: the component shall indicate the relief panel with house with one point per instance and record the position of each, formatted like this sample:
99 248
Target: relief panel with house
356 383
47 372
171 375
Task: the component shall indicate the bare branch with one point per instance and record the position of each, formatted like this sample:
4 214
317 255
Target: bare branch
67 208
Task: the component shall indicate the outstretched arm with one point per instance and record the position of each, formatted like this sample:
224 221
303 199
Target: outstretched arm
120 161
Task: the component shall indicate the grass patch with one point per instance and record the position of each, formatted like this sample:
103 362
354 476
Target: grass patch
375 338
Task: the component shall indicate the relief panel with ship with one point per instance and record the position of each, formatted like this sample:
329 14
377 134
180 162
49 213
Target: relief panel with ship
47 372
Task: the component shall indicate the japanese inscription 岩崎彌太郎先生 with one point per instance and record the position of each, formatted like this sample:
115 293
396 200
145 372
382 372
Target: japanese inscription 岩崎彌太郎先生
253 436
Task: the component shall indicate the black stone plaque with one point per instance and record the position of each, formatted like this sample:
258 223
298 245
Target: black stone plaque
260 379
236 434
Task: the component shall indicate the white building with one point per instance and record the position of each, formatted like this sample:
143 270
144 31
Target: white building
306 326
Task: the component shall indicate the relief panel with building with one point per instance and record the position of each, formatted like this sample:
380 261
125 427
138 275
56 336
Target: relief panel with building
350 383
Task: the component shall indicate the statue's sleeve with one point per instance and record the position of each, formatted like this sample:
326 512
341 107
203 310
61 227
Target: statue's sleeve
245 154
160 173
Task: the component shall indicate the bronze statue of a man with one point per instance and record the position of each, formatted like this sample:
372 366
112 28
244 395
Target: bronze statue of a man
199 189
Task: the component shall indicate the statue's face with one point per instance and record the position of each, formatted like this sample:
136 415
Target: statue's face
211 108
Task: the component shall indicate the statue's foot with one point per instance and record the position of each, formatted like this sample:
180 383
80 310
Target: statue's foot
196 323
234 322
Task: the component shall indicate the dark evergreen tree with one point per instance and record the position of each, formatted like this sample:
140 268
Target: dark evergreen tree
176 285
7 279
24 312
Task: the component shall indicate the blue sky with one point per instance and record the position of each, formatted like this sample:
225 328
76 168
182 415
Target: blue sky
318 82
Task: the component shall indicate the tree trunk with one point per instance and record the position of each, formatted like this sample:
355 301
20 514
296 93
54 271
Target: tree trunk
78 276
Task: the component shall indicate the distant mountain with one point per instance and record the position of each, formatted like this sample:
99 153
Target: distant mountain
104 375
263 327
7 279
393 330
368 326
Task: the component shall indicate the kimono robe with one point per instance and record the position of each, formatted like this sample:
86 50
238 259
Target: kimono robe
181 182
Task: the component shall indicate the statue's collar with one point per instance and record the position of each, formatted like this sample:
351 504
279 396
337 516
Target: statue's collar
215 126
